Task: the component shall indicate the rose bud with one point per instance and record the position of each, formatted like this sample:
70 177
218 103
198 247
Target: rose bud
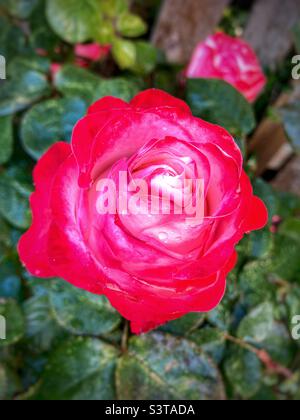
92 52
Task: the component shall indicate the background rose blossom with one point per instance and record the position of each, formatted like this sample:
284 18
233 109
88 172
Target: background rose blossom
92 52
231 59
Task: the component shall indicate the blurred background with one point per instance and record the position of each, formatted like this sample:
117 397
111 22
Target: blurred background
62 343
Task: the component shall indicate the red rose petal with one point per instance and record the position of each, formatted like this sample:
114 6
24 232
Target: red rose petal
155 98
33 244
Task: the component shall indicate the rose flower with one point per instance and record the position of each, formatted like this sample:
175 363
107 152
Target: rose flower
231 59
153 266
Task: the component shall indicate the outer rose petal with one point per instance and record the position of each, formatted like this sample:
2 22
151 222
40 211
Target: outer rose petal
152 99
257 216
108 103
148 311
86 131
68 253
33 244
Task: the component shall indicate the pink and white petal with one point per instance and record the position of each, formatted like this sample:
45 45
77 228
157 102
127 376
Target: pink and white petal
32 247
125 135
71 260
84 134
222 197
69 255
201 132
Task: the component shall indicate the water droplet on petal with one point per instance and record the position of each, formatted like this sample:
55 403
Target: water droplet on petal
163 237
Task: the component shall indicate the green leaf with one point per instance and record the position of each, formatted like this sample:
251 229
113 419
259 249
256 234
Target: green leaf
265 191
287 251
261 329
124 52
6 139
293 304
211 341
80 369
27 82
32 369
15 326
218 102
146 58
10 282
220 317
265 393
279 345
131 26
19 8
74 81
256 326
37 286
184 325
164 79
256 283
118 87
260 243
290 115
49 122
14 202
105 33
82 313
159 366
291 387
113 8
291 228
243 371
41 327
10 383
288 204
74 20
5 240
12 40
41 36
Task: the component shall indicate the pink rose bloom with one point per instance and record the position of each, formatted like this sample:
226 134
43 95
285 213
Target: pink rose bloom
231 59
153 267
